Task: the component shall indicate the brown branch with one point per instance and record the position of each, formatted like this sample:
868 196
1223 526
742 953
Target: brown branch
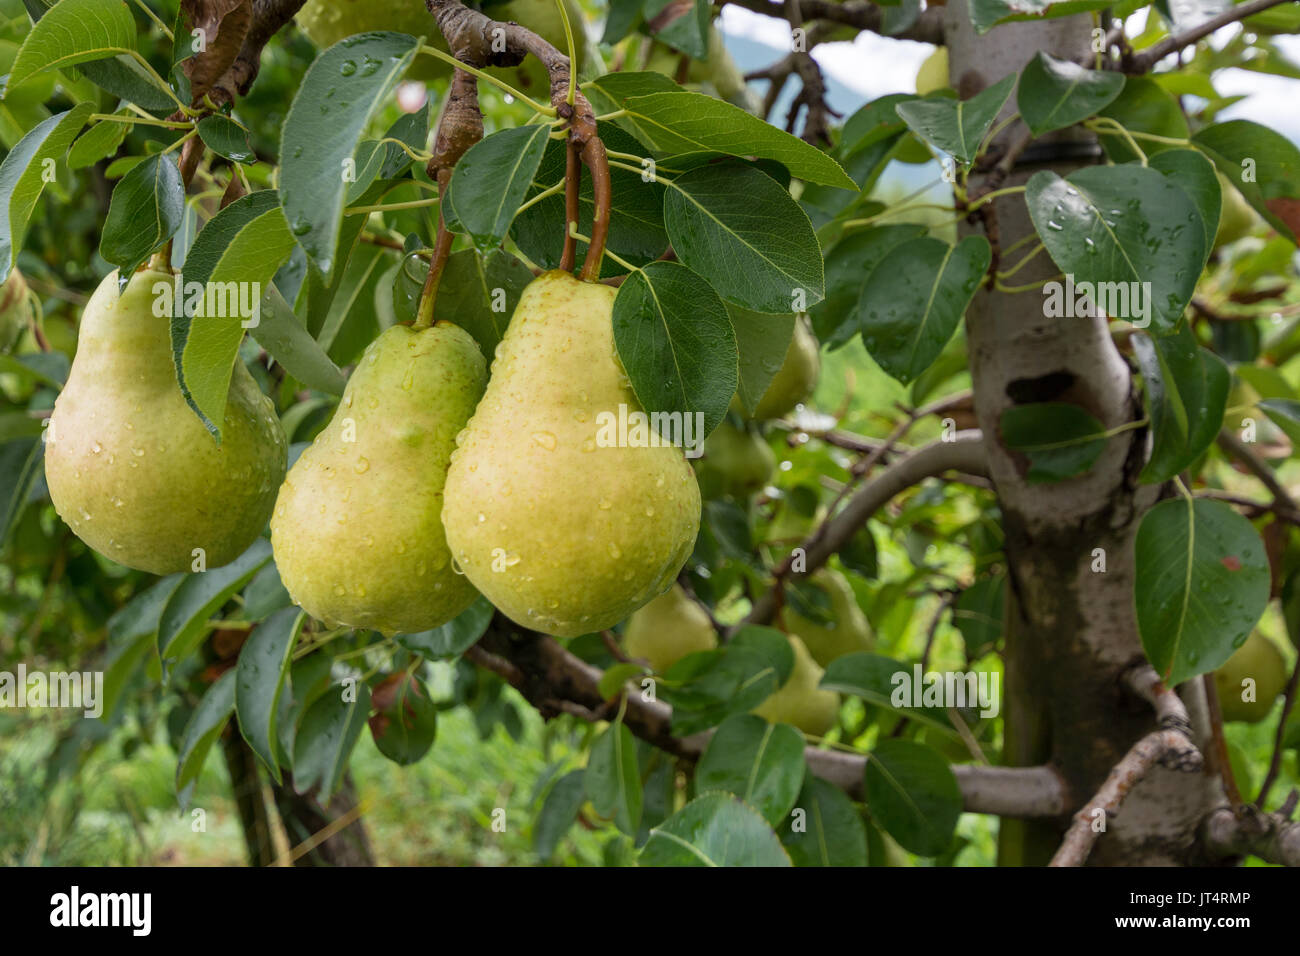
812 95
964 453
928 27
269 16
1275 763
572 206
1148 58
1256 466
1270 836
556 682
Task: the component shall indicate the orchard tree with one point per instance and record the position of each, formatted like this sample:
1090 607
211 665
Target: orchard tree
378 382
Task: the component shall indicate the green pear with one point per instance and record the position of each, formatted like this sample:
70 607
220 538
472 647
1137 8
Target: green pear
799 702
1237 218
561 524
736 462
795 380
1259 660
16 310
357 530
848 630
667 629
933 74
132 469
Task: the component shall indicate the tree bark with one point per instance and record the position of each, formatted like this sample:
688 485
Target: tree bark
1071 631
246 787
305 818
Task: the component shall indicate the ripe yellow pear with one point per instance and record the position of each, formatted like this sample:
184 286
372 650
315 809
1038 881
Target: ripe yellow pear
130 467
667 629
357 530
736 462
1260 660
799 702
795 380
848 630
933 74
562 525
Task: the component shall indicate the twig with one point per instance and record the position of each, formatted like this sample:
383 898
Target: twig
1275 764
1237 449
1148 58
928 27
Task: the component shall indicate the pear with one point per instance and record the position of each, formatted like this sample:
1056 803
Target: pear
563 526
132 469
797 377
357 530
933 74
848 630
799 702
736 462
1260 660
16 310
667 629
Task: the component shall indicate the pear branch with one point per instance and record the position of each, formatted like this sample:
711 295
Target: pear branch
965 453
928 27
479 41
1148 58
556 682
1270 836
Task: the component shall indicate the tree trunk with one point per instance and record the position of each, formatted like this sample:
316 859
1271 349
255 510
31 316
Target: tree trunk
246 787
305 820
1071 630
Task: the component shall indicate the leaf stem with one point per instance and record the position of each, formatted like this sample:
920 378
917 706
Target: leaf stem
1022 263
412 204
500 84
1117 128
568 36
544 194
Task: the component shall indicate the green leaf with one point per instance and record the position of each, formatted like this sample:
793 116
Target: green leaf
915 298
859 554
20 463
479 293
741 231
762 340
913 795
263 665
1285 414
405 721
146 210
340 91
72 32
22 176
453 638
185 618
849 265
676 342
1186 393
1112 230
874 679
1263 164
709 687
683 26
98 142
681 124
759 762
613 779
287 341
612 681
1056 93
1143 106
1059 439
1194 175
206 724
208 351
139 617
825 828
770 644
558 813
227 138
490 182
714 829
985 14
325 740
1202 581
957 127
978 615
264 594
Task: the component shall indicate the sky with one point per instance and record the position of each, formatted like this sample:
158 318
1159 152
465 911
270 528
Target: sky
756 41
